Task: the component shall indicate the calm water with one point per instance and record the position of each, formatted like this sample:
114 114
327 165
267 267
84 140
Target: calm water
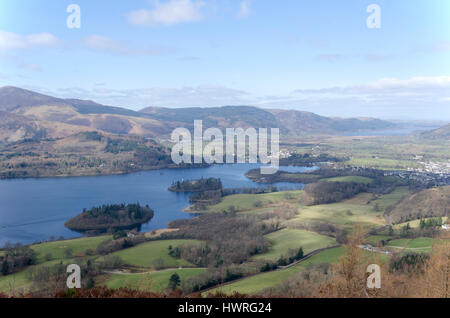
403 131
36 209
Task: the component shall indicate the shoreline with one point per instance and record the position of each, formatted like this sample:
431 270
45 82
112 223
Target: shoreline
106 174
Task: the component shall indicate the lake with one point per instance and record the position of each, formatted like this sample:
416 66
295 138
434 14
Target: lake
36 209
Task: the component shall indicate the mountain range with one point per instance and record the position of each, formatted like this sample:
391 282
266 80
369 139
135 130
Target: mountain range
27 114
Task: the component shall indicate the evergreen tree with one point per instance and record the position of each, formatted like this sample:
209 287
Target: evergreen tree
174 281
5 268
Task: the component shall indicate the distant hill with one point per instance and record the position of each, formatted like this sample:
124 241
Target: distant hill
15 99
65 116
443 132
299 122
290 122
15 127
221 117
426 203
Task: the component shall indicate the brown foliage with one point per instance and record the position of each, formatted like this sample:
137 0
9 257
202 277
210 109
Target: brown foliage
104 292
350 277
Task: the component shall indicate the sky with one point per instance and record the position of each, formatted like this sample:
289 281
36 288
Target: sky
319 56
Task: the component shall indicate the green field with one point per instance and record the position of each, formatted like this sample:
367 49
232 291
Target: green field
414 223
344 214
389 199
421 244
56 249
144 255
303 177
374 240
286 239
363 208
356 179
381 163
155 281
18 282
245 202
257 283
14 283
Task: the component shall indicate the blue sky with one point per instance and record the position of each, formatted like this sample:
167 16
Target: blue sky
317 55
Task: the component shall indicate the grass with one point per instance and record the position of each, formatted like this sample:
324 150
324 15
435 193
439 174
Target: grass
363 208
14 283
257 283
399 243
421 244
245 202
56 249
17 283
343 214
356 179
300 176
154 282
286 239
381 163
415 223
374 240
145 255
389 199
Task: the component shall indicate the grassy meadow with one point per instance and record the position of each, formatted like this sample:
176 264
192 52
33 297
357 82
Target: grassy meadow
156 281
56 250
285 239
247 202
146 254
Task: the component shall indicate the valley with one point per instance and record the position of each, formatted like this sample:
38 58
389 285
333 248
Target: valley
344 193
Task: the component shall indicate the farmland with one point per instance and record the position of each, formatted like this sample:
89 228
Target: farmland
283 240
421 244
154 281
257 283
246 202
56 250
146 254
356 179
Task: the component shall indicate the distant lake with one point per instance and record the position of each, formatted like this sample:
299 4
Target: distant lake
36 209
401 131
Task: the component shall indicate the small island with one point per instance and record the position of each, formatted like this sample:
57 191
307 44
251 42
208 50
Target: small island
110 218
200 185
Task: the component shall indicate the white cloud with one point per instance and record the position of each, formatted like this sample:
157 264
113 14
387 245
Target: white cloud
102 43
244 8
414 98
14 41
168 13
189 96
415 86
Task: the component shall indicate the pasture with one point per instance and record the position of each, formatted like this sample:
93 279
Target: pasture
285 239
56 250
356 179
154 281
421 244
259 282
149 254
246 202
